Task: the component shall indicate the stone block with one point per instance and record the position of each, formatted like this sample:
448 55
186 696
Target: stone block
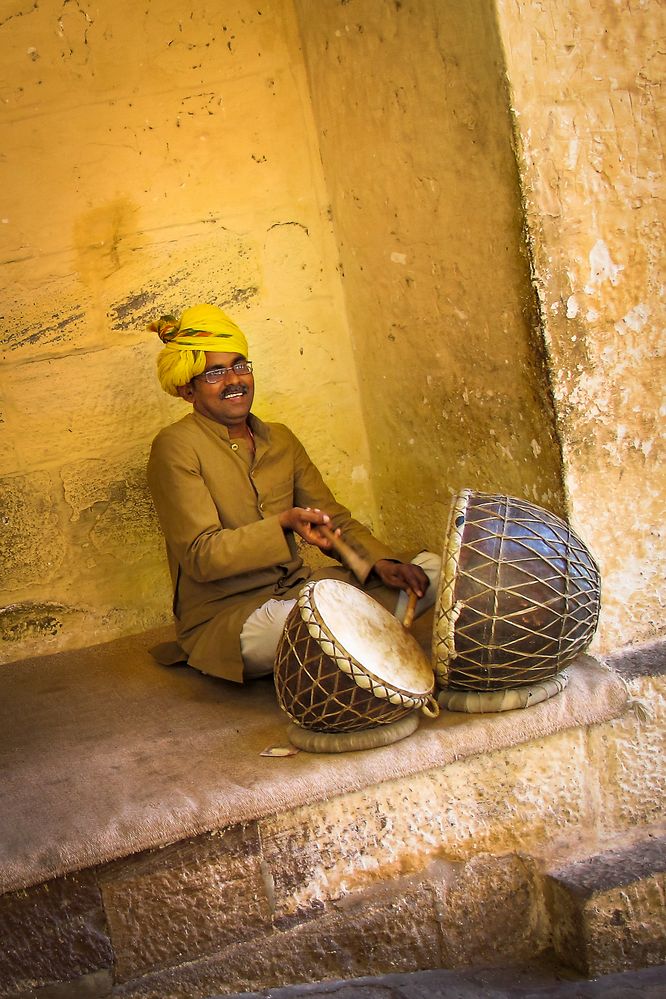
111 507
94 539
8 458
608 912
46 312
96 985
33 539
52 933
394 928
120 404
627 757
480 913
529 798
207 264
493 912
31 621
186 901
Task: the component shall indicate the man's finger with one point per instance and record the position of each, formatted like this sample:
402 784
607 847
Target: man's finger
413 578
315 516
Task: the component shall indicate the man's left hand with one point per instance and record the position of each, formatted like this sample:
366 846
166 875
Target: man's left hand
402 576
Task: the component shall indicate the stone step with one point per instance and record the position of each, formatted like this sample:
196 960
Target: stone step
533 982
608 912
639 662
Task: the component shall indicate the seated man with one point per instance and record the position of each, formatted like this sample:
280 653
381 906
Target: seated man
231 492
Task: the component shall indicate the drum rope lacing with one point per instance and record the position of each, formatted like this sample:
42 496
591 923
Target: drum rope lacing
444 650
575 621
345 662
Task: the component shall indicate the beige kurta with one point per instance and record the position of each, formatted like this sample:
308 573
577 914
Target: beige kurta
227 552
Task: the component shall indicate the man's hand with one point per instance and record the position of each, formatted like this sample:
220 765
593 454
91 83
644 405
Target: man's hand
402 576
304 521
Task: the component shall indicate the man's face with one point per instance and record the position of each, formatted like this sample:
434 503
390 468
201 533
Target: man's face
229 400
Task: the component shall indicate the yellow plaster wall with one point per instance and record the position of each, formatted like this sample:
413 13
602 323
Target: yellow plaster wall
416 140
154 156
587 92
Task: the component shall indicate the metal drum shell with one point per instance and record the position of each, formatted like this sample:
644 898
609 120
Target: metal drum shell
518 598
325 689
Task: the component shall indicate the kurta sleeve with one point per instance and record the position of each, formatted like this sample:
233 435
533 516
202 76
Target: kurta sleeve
201 543
311 490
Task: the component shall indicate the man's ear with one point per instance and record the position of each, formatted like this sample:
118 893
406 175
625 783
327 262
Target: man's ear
186 392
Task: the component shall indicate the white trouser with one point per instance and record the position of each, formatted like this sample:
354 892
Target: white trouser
263 629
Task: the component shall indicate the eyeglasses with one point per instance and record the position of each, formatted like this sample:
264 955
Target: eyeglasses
215 375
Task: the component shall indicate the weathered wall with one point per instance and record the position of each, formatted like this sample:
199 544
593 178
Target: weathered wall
153 157
415 134
587 93
160 157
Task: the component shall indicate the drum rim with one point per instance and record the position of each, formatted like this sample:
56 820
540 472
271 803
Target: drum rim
444 650
364 678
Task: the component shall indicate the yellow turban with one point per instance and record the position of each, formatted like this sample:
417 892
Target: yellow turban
201 328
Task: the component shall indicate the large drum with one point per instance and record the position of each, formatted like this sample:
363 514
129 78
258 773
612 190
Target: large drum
344 663
518 595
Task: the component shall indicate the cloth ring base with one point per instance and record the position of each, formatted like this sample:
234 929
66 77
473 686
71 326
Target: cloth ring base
348 742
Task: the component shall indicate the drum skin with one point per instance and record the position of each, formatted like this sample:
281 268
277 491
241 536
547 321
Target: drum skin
518 597
325 688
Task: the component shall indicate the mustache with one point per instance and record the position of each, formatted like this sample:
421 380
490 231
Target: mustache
234 390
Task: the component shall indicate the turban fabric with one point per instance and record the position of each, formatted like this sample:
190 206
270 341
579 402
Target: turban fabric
201 328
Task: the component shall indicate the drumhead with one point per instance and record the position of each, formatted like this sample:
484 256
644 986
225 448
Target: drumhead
368 633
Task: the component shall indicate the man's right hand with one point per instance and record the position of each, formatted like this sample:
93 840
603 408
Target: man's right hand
304 521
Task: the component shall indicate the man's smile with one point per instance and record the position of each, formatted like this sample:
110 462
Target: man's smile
234 392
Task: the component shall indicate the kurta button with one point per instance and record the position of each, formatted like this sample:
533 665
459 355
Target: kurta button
261 506
234 447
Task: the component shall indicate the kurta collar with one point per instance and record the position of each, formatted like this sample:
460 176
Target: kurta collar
260 429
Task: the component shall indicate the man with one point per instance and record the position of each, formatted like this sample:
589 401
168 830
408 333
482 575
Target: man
231 492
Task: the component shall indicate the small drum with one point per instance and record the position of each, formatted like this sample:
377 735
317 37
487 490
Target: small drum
518 595
344 663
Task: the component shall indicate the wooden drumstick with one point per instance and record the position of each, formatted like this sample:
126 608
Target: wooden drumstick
358 566
411 607
350 558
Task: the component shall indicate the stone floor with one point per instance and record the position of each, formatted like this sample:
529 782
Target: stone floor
535 981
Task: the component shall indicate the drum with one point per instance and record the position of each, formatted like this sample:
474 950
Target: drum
518 596
344 663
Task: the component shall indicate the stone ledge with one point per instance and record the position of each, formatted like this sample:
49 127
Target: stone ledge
316 872
615 868
91 773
